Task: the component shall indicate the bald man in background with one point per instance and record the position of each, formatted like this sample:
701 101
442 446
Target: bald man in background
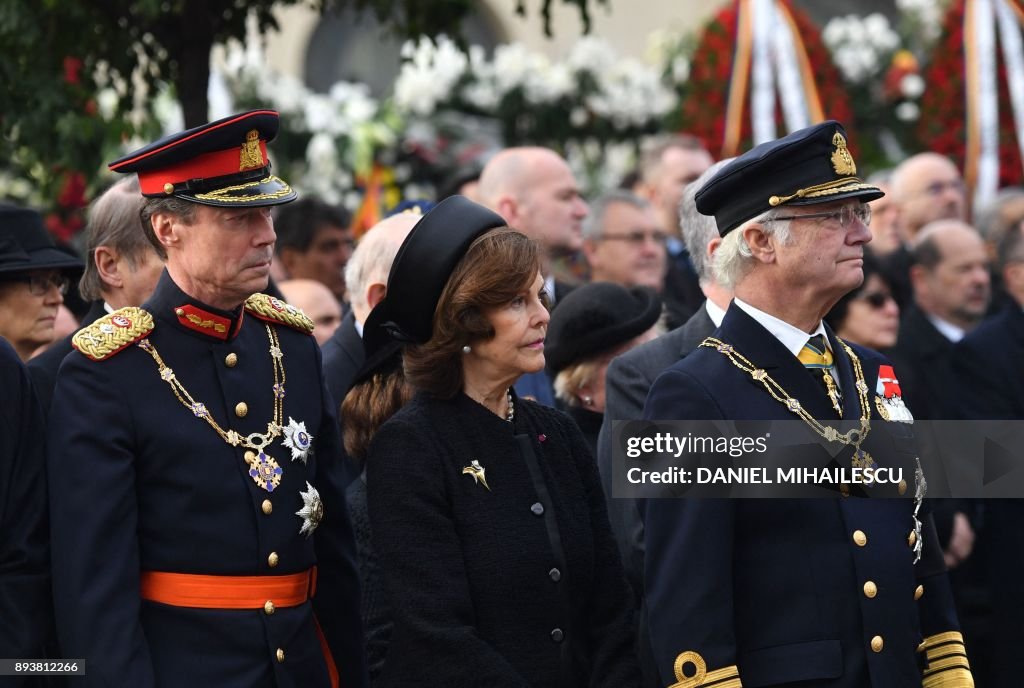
317 302
926 187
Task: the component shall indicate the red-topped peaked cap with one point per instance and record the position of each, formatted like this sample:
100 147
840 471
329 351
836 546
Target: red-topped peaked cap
223 163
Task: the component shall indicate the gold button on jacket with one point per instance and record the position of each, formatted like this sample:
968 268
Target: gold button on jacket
231 360
241 409
860 538
877 643
870 589
269 608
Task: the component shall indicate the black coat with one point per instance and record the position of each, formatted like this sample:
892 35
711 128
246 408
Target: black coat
343 356
26 611
43 368
926 360
513 583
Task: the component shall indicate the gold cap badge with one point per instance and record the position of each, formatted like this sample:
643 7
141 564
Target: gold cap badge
842 161
251 155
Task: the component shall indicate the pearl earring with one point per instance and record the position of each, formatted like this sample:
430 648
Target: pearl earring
466 349
588 401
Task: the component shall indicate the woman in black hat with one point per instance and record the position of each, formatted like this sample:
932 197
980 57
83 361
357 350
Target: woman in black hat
595 323
34 277
487 511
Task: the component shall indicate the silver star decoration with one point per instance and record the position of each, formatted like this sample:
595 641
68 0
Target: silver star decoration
312 511
298 439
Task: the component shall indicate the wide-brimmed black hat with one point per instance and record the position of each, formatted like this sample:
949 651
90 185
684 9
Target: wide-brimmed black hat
26 245
809 166
425 261
223 163
595 318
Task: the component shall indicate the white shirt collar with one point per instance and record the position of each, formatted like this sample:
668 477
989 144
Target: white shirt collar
948 329
107 307
793 338
359 326
714 312
549 287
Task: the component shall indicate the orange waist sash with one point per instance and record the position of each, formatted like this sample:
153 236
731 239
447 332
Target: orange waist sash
227 592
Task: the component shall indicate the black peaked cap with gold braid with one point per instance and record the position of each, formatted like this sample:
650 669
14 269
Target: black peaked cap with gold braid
809 166
223 163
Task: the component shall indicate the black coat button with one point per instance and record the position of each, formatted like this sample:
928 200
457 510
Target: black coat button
537 509
555 575
557 635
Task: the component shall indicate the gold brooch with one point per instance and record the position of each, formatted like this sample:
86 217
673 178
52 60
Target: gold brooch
478 472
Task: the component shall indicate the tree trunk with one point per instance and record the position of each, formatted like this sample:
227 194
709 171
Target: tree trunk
194 60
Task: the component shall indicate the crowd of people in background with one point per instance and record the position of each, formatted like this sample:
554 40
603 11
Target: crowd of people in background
942 298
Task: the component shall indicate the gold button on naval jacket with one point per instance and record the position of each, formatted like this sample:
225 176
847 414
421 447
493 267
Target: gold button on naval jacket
268 609
902 487
268 507
231 360
912 538
877 643
860 538
272 559
918 592
241 408
280 655
870 589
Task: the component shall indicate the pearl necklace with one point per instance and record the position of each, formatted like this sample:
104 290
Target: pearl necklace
511 414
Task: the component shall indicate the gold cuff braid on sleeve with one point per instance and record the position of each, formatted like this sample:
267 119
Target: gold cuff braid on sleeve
726 677
947 664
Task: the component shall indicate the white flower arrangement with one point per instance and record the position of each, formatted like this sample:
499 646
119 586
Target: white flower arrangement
860 46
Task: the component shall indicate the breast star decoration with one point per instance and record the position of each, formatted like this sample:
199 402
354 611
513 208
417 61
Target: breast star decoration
478 472
298 439
312 511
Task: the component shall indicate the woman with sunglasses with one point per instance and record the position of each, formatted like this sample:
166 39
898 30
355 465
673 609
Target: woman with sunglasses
34 277
868 315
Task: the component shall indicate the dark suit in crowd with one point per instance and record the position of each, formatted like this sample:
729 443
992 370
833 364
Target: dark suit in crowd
776 591
343 356
926 356
43 368
988 365
26 610
627 383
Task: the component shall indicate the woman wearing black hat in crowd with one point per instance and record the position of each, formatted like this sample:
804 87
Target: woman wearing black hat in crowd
593 324
487 512
34 277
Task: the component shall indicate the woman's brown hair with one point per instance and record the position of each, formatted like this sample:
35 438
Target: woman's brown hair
368 404
497 267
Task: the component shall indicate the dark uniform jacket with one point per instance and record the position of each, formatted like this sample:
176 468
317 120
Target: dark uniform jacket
778 587
515 582
141 484
25 607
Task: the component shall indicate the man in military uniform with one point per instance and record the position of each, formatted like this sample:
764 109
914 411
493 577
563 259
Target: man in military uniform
824 593
200 532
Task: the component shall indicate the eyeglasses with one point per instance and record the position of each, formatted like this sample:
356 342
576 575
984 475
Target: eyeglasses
39 284
638 237
876 299
844 216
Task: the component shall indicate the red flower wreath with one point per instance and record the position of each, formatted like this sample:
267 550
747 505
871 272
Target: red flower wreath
703 109
943 124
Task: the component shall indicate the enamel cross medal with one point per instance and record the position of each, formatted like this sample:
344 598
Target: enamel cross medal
263 468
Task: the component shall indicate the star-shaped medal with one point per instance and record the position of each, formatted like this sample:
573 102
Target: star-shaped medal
312 511
298 440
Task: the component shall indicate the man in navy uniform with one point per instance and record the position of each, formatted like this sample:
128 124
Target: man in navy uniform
200 531
823 593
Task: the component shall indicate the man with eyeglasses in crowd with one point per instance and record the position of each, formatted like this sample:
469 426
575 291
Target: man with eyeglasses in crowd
830 593
34 277
624 242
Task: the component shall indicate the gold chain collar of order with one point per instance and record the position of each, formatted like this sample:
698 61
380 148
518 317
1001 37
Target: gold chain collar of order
263 468
854 437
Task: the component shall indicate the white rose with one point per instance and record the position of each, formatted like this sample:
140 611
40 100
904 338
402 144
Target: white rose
912 86
908 112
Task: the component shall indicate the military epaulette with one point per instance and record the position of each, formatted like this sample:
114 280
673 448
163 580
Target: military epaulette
726 677
106 336
946 661
266 307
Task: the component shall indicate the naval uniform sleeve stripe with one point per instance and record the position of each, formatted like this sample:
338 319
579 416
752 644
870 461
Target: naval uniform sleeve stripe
947 663
953 678
940 638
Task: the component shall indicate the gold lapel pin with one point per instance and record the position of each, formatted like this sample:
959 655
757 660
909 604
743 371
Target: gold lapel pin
478 472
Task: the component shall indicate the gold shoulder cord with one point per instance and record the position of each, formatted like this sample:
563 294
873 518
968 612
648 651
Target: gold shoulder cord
263 468
853 437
